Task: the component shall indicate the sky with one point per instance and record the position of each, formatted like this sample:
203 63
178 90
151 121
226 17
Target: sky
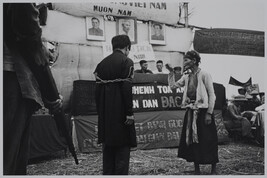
237 14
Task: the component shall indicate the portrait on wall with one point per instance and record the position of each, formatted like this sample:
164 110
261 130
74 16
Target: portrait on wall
157 33
127 26
95 28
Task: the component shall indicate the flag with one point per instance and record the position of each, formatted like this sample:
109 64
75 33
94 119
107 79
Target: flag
235 82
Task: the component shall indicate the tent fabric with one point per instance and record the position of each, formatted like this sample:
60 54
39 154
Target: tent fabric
164 12
157 129
72 30
45 138
83 102
229 41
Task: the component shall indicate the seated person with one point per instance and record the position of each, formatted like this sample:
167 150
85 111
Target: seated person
262 99
178 72
253 115
253 101
160 69
234 118
144 70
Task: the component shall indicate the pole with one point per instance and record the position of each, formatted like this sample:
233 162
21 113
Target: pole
186 14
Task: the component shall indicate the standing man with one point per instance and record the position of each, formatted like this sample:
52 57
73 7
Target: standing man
144 70
21 93
95 30
160 70
116 129
199 141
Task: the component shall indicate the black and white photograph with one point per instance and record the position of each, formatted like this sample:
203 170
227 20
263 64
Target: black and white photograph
140 88
127 26
157 33
95 28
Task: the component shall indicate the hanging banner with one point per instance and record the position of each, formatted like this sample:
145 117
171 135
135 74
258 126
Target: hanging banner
140 51
229 41
157 129
164 12
153 130
156 97
146 97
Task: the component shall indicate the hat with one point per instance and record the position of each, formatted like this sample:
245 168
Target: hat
254 92
248 96
240 98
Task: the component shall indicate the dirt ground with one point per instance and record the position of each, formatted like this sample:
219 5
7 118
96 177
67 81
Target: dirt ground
235 158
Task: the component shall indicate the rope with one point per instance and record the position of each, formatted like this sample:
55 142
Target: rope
128 79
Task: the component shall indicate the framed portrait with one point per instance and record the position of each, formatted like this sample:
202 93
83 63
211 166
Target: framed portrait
127 26
95 28
157 33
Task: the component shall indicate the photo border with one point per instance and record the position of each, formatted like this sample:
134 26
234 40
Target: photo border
89 25
118 19
158 42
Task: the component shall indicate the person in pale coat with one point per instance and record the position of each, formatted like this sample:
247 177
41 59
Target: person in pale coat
199 142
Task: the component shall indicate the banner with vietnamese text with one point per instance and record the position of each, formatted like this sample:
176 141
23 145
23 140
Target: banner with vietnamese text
156 97
164 12
157 129
229 41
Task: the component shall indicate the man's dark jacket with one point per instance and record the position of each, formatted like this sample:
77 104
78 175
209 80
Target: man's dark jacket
114 100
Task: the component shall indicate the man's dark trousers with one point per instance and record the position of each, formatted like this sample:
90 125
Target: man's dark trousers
116 160
17 113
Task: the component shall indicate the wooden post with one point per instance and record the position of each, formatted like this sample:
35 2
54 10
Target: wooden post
186 14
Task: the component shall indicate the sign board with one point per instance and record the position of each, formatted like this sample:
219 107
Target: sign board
146 97
150 96
157 129
156 97
158 115
229 41
164 12
153 130
140 51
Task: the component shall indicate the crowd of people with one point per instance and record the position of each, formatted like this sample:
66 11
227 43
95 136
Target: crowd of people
160 69
114 75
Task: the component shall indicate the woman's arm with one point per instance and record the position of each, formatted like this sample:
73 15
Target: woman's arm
171 81
210 91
